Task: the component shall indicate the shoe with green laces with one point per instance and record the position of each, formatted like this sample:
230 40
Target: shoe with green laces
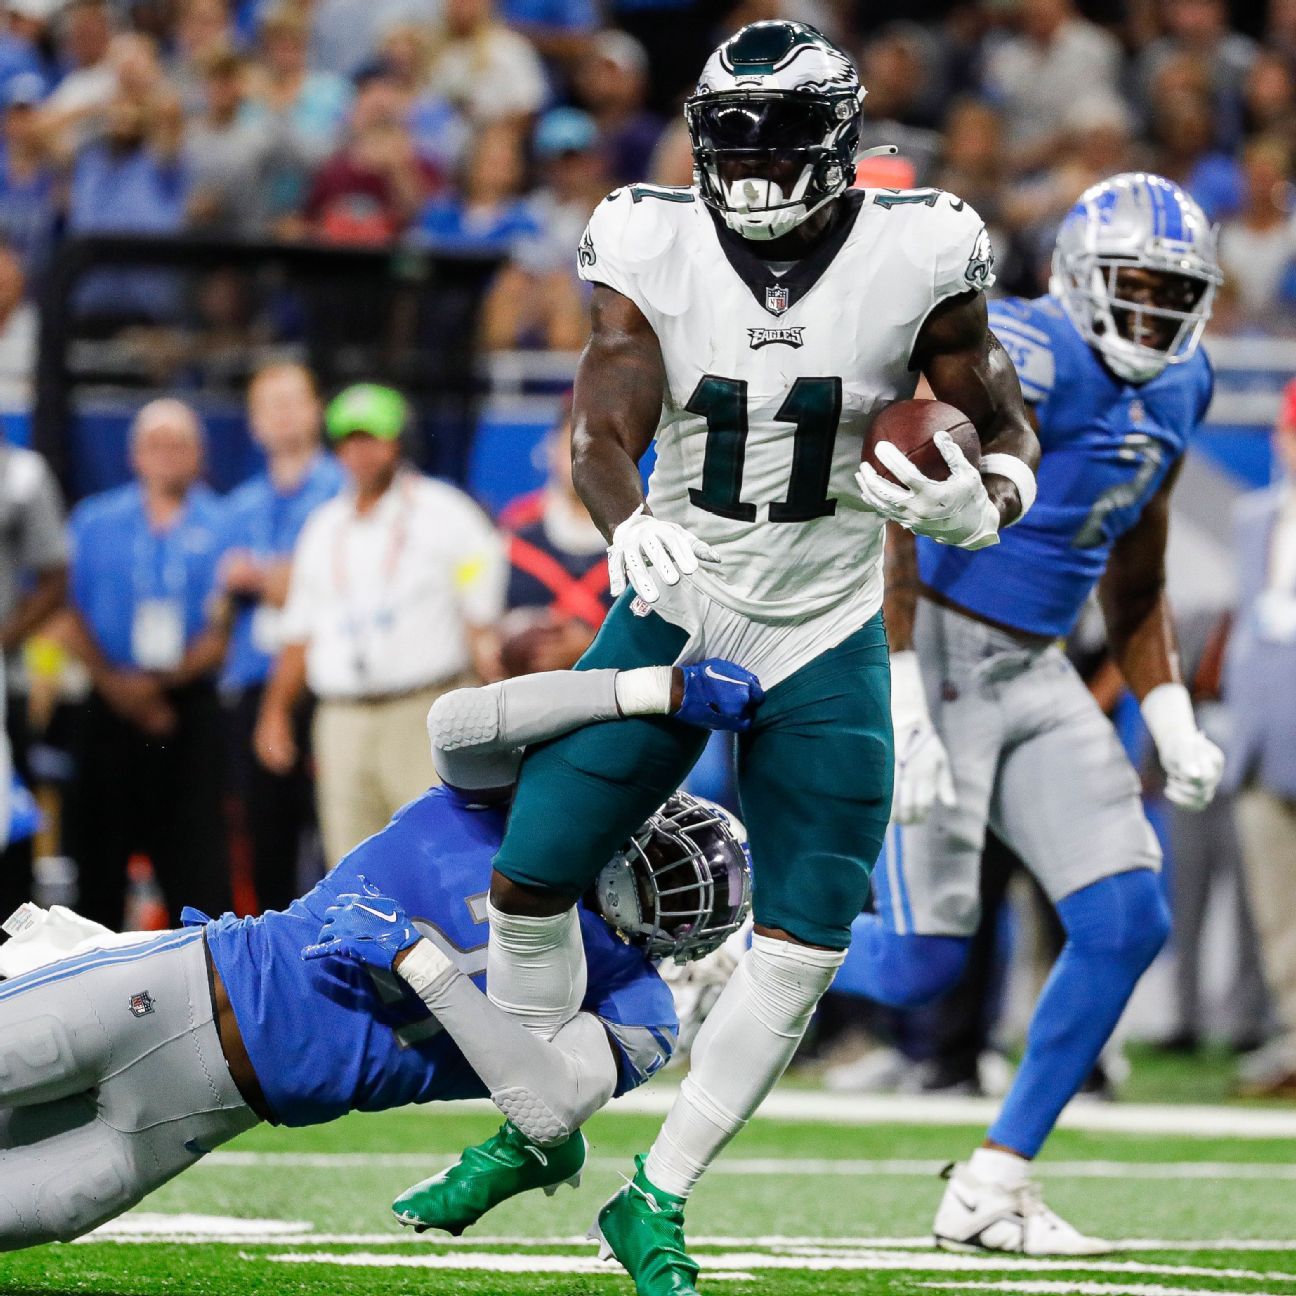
643 1227
504 1165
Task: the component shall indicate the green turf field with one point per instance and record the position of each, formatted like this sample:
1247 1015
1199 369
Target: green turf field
797 1208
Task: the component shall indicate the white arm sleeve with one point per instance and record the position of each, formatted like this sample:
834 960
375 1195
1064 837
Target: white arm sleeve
547 1088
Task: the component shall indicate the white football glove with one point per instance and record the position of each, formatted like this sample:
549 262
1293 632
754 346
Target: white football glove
956 511
922 774
1193 764
642 542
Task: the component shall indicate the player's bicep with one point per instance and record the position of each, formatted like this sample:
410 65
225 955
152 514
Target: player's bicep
620 378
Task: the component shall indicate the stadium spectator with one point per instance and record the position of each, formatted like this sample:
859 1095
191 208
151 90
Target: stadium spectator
557 594
394 587
1055 60
895 68
441 134
203 30
612 84
1256 245
371 189
489 209
559 29
27 181
1259 669
573 168
89 79
33 585
346 34
1268 97
972 159
263 519
489 72
25 40
134 181
305 110
148 776
1183 131
226 155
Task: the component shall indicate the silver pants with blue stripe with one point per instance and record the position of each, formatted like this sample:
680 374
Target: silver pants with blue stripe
1033 757
112 1081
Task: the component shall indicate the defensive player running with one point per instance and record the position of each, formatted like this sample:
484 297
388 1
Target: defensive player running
122 1066
754 324
994 726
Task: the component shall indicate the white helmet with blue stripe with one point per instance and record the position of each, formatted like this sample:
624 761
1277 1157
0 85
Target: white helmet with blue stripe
1138 322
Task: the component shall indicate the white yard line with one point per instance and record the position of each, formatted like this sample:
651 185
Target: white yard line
810 1166
1091 1289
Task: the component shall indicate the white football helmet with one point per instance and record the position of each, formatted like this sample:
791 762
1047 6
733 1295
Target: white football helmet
1147 222
774 95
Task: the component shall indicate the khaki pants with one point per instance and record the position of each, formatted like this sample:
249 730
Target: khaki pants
1267 827
371 758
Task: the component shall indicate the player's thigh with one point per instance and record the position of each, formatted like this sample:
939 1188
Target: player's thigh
580 796
1067 799
815 780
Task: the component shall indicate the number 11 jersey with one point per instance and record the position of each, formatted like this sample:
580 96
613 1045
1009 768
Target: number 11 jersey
774 372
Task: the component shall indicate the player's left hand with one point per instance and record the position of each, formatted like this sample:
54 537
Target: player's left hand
719 694
956 511
369 929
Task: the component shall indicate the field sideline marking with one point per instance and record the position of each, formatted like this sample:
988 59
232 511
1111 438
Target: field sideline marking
1045 1288
900 1168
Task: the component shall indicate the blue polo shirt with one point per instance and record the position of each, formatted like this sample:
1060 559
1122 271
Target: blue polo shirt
119 562
267 522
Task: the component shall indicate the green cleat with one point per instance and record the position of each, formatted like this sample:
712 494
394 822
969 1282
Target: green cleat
643 1228
508 1163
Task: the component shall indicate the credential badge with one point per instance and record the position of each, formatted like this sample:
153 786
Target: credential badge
777 299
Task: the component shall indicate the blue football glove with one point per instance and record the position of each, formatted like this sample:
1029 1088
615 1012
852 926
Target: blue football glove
369 929
719 695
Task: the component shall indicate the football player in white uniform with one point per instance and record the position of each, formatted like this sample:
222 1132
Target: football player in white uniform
754 324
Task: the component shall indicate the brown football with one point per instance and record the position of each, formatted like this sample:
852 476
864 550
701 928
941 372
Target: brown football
911 426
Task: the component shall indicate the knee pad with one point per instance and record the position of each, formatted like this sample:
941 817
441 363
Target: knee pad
1123 917
899 971
44 1058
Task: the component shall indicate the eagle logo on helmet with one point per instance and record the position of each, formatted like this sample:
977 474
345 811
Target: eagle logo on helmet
775 123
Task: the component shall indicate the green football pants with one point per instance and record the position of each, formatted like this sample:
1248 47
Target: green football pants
814 778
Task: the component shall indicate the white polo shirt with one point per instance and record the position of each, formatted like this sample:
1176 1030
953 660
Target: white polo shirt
383 601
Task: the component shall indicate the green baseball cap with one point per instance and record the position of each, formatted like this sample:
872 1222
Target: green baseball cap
382 412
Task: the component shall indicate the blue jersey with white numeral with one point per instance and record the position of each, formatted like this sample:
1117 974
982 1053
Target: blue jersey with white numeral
328 1037
1107 445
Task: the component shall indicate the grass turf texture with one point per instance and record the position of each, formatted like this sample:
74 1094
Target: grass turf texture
336 1183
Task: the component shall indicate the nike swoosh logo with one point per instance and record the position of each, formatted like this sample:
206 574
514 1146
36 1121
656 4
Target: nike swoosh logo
715 674
378 913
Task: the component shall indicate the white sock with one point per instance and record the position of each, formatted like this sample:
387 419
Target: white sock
743 1048
535 968
1004 1169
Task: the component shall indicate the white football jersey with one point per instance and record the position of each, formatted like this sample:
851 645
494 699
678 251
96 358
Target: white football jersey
772 380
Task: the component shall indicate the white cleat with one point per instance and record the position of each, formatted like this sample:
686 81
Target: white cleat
978 1216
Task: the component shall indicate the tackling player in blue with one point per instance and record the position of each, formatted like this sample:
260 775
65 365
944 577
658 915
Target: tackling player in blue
992 724
126 1060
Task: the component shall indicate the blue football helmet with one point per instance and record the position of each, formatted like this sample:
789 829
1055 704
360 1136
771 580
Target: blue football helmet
1144 222
682 884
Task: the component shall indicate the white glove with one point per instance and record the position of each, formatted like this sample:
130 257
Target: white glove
644 541
1193 764
922 774
956 511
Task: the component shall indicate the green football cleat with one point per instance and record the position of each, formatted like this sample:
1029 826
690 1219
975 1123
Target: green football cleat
643 1228
508 1163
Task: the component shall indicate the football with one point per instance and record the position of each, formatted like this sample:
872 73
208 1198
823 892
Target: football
911 426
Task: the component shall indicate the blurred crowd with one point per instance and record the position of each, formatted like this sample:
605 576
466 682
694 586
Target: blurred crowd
500 123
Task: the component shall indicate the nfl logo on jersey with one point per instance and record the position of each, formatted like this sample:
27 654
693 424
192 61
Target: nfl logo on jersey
777 299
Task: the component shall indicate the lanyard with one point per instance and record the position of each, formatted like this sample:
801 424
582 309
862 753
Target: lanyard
148 545
395 543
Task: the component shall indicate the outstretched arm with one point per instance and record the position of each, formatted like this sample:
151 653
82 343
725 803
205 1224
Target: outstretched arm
478 734
1140 630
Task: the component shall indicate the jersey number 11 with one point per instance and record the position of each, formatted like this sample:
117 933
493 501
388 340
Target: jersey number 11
813 406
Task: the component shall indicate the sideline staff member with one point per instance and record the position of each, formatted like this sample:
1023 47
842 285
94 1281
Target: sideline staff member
394 586
143 574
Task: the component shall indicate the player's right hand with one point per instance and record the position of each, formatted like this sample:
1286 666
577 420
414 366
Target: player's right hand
922 775
370 929
719 694
645 549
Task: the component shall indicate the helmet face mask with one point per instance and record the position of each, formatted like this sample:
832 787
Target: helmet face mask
1135 269
774 123
682 884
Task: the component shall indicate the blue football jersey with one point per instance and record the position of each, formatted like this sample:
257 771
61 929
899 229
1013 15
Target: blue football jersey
1107 445
328 1037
